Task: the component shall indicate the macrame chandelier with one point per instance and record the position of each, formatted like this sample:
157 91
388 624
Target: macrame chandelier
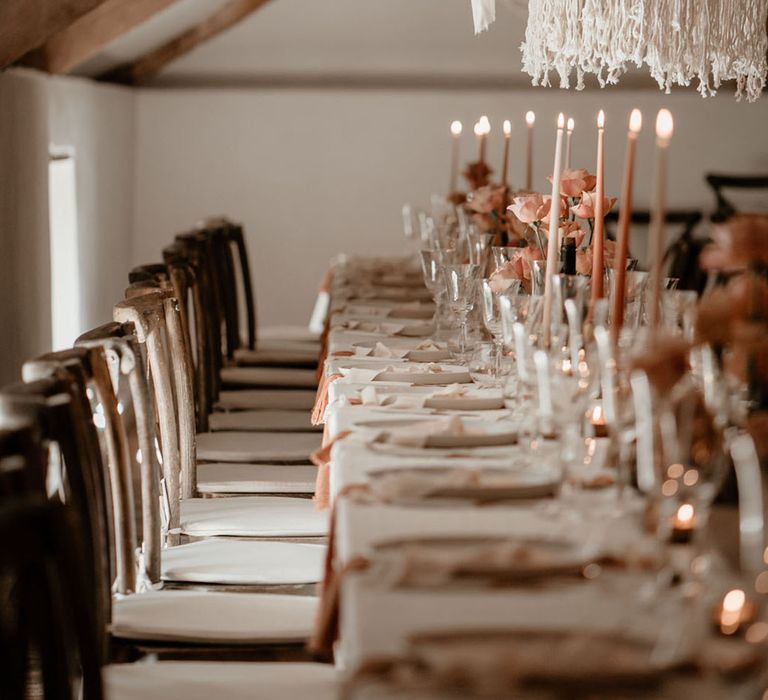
681 42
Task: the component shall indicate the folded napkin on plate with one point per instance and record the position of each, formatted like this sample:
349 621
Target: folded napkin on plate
359 375
439 563
418 435
517 663
419 484
370 327
370 397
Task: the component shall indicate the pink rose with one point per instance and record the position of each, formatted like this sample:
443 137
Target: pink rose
584 260
575 181
486 199
548 205
586 206
529 208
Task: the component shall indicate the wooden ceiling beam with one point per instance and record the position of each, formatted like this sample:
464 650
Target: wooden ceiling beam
149 65
87 35
26 24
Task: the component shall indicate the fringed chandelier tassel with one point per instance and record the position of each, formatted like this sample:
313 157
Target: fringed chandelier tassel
706 42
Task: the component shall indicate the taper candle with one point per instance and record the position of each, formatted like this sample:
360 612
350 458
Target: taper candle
507 128
530 120
456 129
598 232
569 127
554 225
483 129
664 128
625 218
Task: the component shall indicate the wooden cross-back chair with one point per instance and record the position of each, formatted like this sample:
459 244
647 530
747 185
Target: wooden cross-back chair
230 271
681 256
725 207
51 613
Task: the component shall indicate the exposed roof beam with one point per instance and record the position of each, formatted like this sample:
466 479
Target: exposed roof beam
26 24
149 65
87 35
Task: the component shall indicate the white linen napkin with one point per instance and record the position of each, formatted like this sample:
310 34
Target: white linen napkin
418 434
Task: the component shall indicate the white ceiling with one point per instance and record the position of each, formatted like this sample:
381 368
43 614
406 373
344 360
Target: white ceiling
324 42
310 39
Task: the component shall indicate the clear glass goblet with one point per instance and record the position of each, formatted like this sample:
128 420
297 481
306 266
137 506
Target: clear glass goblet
461 291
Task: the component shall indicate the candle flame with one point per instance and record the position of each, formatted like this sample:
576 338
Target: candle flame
485 125
560 120
635 121
507 127
571 125
685 513
664 124
456 128
478 129
734 600
530 118
601 119
597 415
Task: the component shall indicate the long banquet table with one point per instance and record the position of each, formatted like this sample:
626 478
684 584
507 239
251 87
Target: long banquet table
379 310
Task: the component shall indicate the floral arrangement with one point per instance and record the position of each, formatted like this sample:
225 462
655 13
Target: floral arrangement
525 221
733 315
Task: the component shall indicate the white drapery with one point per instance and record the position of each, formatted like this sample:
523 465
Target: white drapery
483 14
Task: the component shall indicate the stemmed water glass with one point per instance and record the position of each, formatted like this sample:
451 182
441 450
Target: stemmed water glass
432 268
461 288
492 316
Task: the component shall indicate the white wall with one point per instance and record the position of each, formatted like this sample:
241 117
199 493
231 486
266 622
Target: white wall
98 122
315 172
25 327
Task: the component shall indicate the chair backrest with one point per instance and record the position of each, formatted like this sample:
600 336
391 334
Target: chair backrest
681 256
72 472
725 207
138 418
90 370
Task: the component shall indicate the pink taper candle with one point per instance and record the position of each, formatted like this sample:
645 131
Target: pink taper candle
598 233
664 128
554 226
625 218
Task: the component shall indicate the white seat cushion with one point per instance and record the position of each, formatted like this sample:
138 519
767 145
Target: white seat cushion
247 399
270 421
244 562
223 477
257 447
301 333
279 355
269 376
210 617
204 680
252 516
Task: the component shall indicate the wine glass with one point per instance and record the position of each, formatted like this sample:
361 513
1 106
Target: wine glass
432 268
461 289
492 314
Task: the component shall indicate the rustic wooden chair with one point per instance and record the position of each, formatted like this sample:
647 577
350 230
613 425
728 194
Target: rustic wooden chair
52 617
197 622
263 346
682 255
153 312
755 187
199 250
250 562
